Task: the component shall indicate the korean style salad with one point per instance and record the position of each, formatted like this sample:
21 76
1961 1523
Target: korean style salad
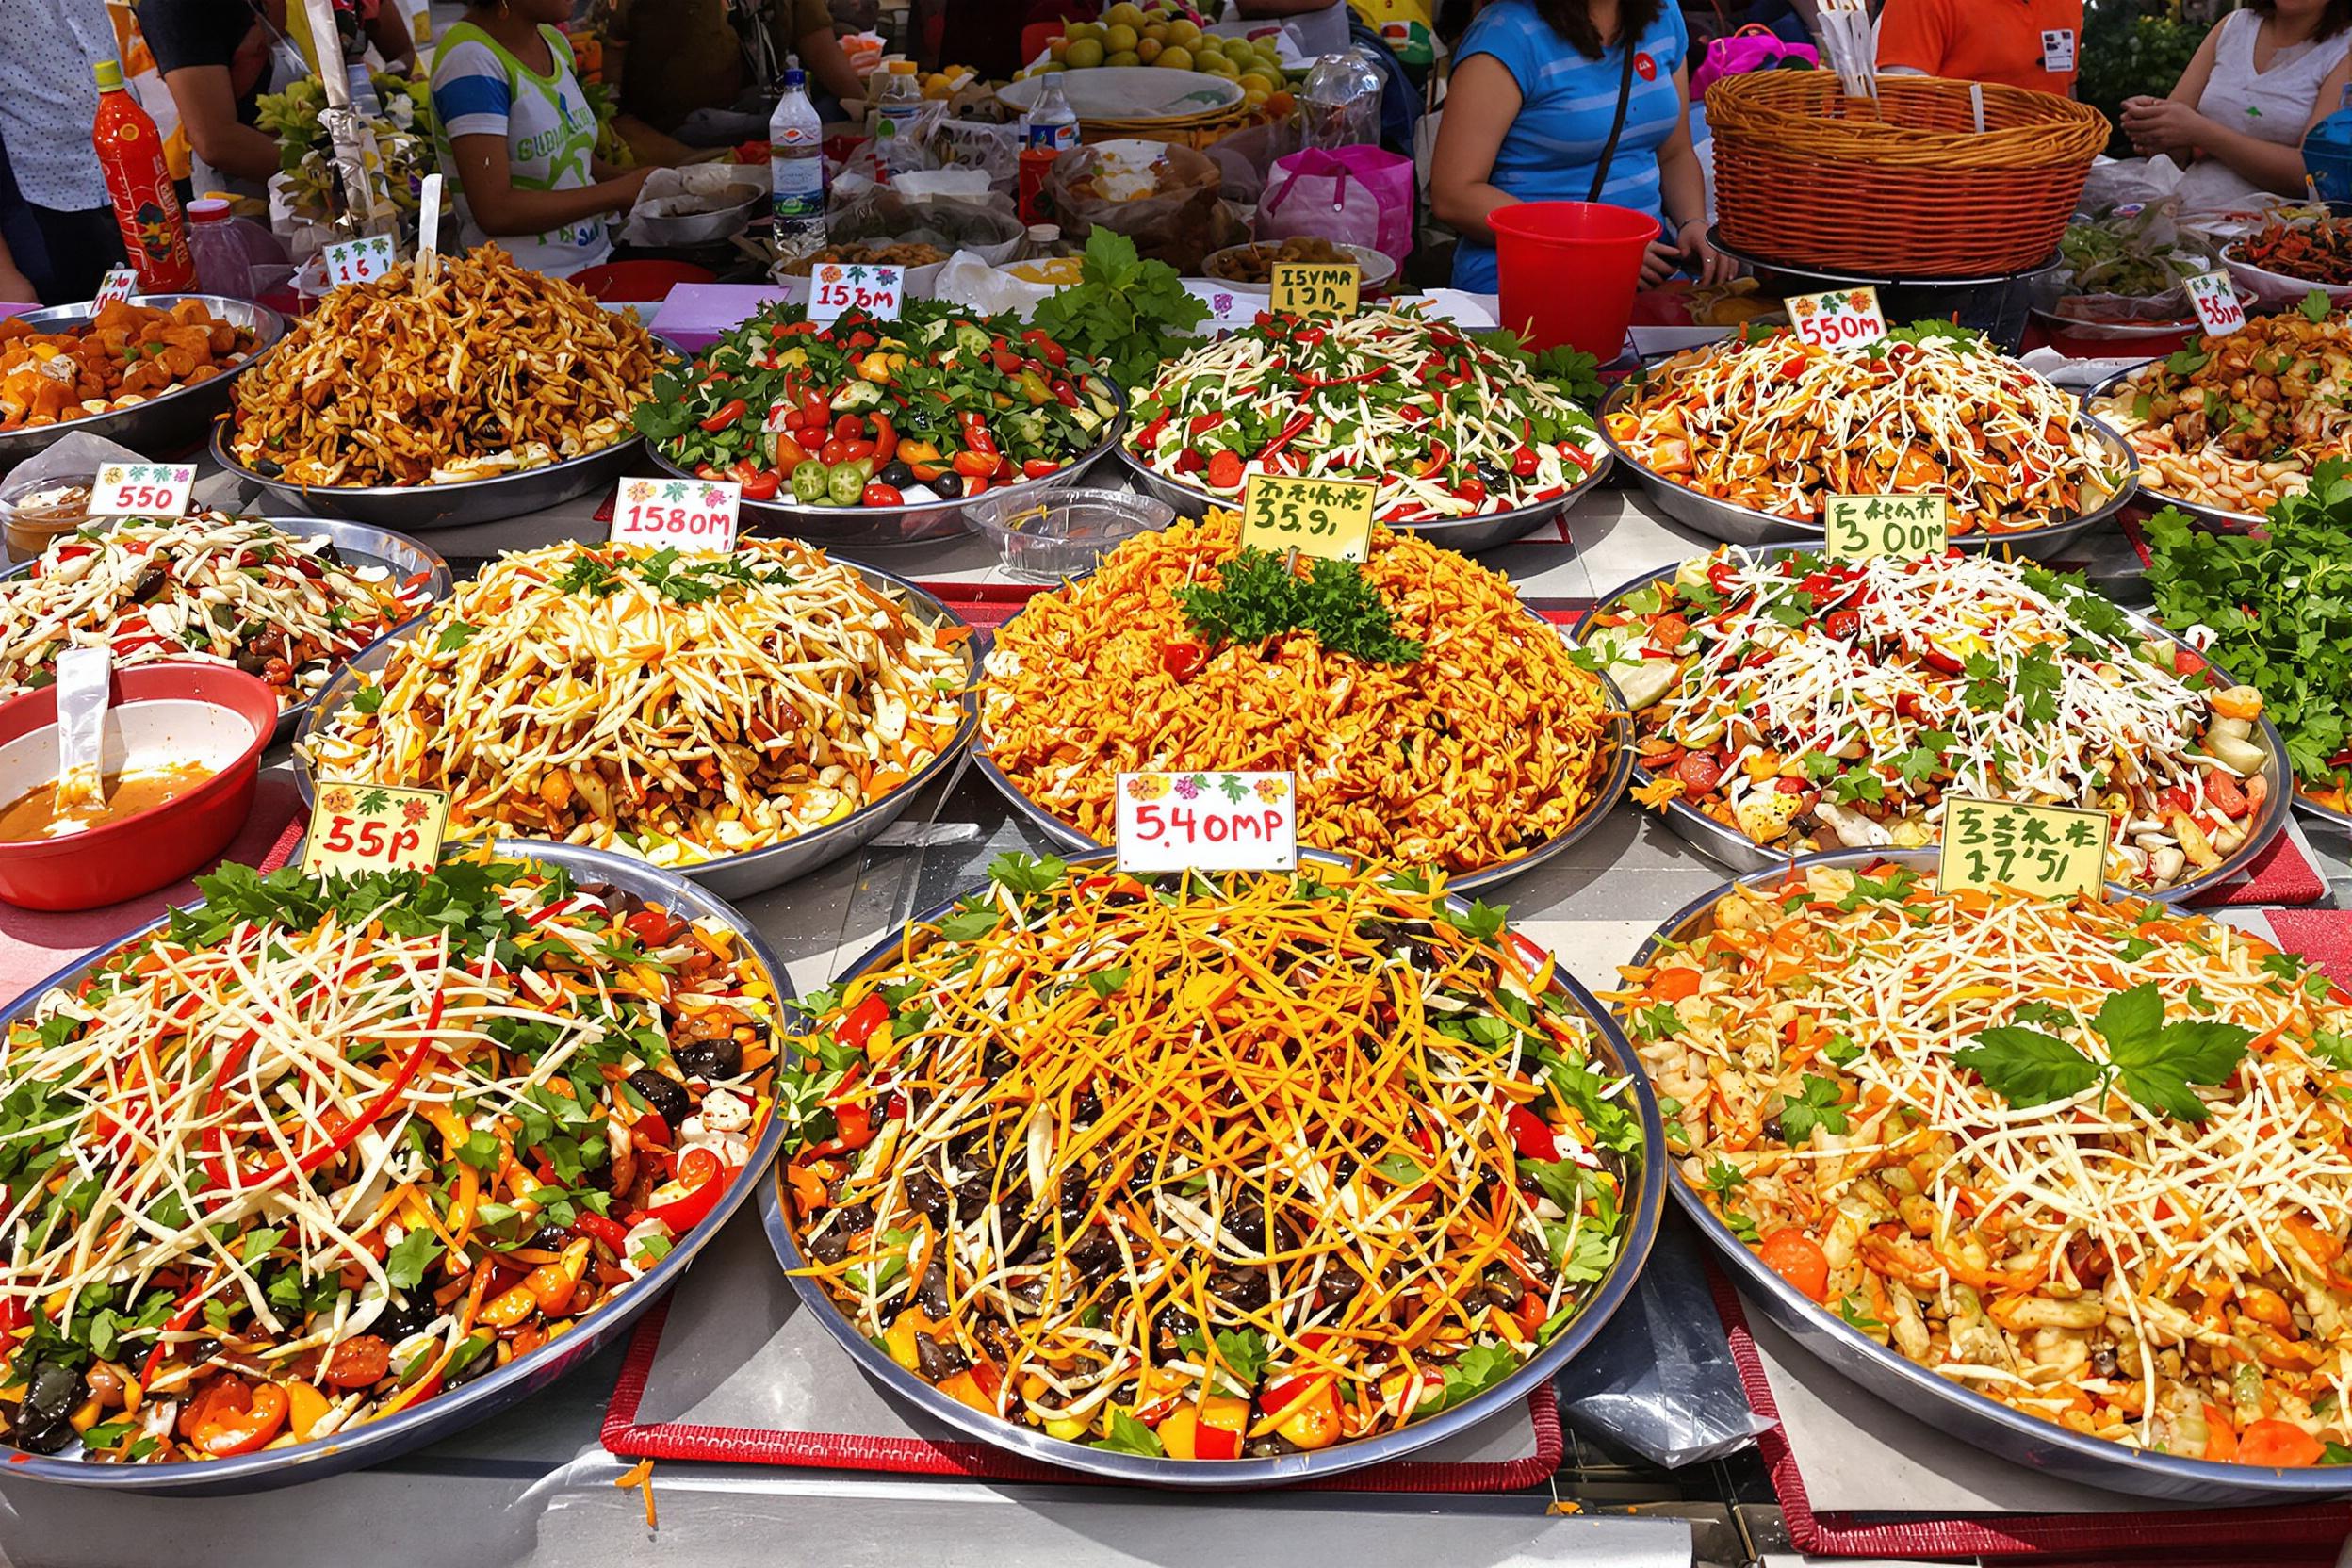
1817 704
938 404
1208 1167
1445 424
317 1150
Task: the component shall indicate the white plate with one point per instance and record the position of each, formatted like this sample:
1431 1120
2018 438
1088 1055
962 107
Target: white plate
1377 268
1137 92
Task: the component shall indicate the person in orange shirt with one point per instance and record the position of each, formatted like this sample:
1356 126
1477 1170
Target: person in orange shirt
2031 43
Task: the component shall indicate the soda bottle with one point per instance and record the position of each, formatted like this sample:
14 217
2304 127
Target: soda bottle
1051 123
154 236
796 167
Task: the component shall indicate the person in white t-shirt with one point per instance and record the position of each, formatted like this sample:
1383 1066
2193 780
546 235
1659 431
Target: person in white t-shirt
1320 27
2236 119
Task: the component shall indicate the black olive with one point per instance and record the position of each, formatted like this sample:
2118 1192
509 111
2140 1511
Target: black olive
1492 473
267 468
2103 1361
667 1095
251 660
926 1194
931 1296
1075 1199
929 1360
404 1319
948 485
720 1056
149 583
896 475
1340 1282
54 1393
1247 1222
1773 1130
330 555
831 1246
1245 1289
1173 1322
1096 1255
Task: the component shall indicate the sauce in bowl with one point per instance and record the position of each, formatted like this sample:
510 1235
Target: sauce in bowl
33 816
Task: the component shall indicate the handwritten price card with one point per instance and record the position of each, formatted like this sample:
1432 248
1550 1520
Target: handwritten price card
119 283
2215 298
1227 308
1841 318
696 515
1316 289
357 828
834 287
1208 821
1314 516
141 489
1905 527
362 260
2049 851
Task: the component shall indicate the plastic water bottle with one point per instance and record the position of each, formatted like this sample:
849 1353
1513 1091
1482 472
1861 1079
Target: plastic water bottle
896 107
796 167
1051 124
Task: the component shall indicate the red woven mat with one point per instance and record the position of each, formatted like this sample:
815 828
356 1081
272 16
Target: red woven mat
911 1455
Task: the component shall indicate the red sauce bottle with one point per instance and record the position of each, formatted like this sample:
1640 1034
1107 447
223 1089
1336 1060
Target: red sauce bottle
154 236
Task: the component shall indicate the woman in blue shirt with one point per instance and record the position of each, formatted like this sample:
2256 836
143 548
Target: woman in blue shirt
1534 92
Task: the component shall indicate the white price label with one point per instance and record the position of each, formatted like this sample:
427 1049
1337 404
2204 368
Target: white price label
1228 307
1841 318
696 515
1208 821
141 489
835 286
362 260
120 283
2216 301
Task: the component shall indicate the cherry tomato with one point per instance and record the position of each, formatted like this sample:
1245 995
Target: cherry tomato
1180 659
1700 772
1841 623
849 427
1225 472
879 494
1798 1259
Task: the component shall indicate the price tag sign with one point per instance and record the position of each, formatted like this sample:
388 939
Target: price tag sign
356 829
1227 307
2049 851
1841 318
836 287
1314 516
1316 289
359 260
141 489
1208 821
2215 298
119 283
1905 527
696 515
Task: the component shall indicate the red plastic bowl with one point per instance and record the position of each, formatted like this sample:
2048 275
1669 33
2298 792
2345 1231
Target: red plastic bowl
155 848
638 283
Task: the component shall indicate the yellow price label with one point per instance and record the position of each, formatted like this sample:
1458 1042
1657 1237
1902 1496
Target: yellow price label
1905 527
358 828
1317 287
2001 845
1314 516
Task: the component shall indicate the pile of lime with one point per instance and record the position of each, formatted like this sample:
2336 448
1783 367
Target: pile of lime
1130 33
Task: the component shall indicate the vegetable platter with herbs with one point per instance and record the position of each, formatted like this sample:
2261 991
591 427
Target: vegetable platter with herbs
941 405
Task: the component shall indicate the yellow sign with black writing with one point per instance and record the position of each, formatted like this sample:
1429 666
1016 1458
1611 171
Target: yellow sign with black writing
1314 516
2003 846
1905 527
1317 287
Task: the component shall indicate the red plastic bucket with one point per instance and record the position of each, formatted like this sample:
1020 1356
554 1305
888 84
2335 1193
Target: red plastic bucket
1569 272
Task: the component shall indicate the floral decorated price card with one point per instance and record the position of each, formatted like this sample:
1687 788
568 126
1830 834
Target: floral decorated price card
835 286
356 829
1228 307
141 489
1905 527
2215 298
1841 318
362 260
119 283
2052 851
1208 821
1316 289
693 515
1314 516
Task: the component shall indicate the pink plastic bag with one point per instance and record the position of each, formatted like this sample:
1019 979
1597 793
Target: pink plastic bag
1350 195
1754 47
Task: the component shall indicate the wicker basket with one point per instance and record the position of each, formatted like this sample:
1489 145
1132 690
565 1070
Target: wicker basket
1196 131
1905 188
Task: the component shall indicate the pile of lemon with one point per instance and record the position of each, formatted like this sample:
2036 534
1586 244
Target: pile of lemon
1130 33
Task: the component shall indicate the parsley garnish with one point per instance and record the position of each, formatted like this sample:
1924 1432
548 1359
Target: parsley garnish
1128 1435
1817 1104
1259 596
2155 1063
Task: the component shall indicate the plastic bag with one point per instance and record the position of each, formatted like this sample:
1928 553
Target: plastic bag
1247 157
995 150
1349 195
1340 103
862 211
1180 221
702 203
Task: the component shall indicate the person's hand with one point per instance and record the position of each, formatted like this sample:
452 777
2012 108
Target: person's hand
1659 262
16 289
625 185
1708 265
2161 126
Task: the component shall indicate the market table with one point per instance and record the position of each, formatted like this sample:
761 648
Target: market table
536 1485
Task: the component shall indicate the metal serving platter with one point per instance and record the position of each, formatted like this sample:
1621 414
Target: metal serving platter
1725 843
1467 536
2010 1434
359 546
1735 524
452 1411
1611 789
2341 821
417 507
2201 510
733 875
170 422
1642 1211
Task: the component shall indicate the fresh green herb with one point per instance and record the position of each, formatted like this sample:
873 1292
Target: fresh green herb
1815 1104
1128 1435
1259 596
2157 1064
1108 982
1124 313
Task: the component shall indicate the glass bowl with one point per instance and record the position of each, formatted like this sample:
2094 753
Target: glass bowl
1064 532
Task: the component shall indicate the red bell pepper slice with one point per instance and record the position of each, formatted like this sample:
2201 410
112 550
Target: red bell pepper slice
725 414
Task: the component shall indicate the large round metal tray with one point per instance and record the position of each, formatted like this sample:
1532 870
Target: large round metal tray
359 546
1733 848
2201 510
1744 525
2341 821
733 875
1642 1211
1605 796
455 1409
417 507
169 423
2010 1434
1467 535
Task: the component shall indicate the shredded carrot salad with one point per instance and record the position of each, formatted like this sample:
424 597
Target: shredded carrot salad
1207 1168
2091 1160
317 1150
